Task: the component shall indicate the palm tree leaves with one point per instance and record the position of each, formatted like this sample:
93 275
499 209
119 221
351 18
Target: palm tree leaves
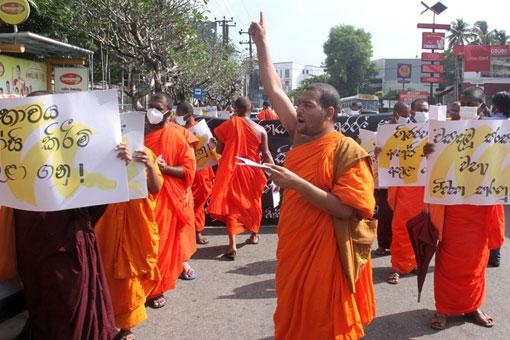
462 34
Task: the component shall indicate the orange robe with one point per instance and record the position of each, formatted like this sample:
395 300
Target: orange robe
313 298
461 258
236 197
201 188
267 114
187 231
406 203
172 203
127 235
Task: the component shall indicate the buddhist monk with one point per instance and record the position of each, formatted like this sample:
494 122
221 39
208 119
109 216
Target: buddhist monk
406 202
174 203
314 300
467 232
127 235
236 198
267 113
202 185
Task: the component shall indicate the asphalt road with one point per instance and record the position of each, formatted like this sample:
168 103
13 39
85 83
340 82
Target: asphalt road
236 299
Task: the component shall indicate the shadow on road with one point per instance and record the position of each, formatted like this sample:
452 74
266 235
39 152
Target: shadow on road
406 325
256 268
257 290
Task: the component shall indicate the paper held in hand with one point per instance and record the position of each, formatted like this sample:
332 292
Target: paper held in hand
248 162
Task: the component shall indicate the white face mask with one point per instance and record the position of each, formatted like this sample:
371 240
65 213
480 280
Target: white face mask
421 117
402 120
468 113
154 116
180 120
354 113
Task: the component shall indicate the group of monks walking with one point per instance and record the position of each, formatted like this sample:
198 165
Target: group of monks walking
89 273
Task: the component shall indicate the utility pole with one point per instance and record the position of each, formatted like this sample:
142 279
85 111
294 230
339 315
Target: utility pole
225 24
250 61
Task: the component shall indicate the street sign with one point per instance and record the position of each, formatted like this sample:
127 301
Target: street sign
428 56
437 80
198 92
432 40
435 26
432 68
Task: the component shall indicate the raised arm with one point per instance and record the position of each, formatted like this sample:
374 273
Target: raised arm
270 79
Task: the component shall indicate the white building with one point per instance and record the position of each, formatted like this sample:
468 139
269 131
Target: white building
292 74
388 73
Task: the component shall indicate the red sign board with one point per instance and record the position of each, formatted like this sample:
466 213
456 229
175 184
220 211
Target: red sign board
432 68
477 58
432 40
428 56
409 96
437 80
495 50
435 26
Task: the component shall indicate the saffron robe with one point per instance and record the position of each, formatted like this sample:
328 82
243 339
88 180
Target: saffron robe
127 235
267 114
406 203
201 188
236 197
313 297
461 258
60 266
173 202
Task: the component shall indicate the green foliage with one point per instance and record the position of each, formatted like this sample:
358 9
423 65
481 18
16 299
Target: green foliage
348 51
324 78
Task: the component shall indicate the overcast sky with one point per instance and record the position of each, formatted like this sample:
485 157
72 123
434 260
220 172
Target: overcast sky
297 29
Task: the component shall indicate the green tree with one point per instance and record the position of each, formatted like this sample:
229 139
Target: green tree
481 33
348 51
500 37
324 78
460 33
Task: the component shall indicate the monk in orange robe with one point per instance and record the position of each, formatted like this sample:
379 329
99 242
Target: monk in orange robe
307 254
127 235
203 183
267 113
467 233
236 198
176 161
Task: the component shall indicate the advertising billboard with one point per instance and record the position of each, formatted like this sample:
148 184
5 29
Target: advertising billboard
432 68
70 79
19 77
433 40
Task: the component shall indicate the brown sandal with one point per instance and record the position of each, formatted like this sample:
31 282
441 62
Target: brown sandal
480 318
438 321
230 255
253 239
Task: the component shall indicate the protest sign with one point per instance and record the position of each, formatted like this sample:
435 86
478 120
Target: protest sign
132 127
401 161
58 151
205 153
470 163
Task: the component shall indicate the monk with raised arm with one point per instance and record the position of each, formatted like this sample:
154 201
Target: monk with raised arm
314 300
127 235
236 198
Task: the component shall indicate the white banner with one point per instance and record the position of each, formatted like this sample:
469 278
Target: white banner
132 126
470 163
205 153
401 161
58 151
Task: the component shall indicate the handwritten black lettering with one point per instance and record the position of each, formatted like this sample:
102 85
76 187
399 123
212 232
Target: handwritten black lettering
33 113
408 152
463 140
446 187
472 166
497 138
12 142
493 189
12 172
404 134
401 172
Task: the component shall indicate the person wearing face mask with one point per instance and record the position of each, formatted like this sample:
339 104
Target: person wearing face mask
406 202
174 204
420 110
468 232
202 185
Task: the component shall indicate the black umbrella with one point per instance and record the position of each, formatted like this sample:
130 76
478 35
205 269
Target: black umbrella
423 237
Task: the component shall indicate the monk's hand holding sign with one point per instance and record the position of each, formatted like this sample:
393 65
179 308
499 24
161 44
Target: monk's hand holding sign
283 177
